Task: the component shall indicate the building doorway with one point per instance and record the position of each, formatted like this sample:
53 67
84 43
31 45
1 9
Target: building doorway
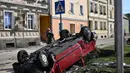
44 24
72 28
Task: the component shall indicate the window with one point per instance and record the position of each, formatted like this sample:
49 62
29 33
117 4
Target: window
91 25
81 9
104 10
110 14
96 8
72 8
96 25
110 1
101 26
91 7
60 26
8 20
30 21
110 27
104 25
100 9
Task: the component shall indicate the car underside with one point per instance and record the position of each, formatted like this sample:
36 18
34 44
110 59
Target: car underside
57 56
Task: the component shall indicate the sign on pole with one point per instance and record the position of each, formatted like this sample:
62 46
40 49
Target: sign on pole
59 7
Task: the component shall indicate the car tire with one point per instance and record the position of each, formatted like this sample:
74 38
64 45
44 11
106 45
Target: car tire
86 33
22 56
64 34
39 61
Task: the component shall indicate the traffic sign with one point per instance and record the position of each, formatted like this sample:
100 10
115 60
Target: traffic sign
60 7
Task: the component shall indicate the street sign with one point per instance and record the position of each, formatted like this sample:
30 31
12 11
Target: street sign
60 7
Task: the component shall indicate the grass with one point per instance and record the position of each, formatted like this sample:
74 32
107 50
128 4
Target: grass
103 69
109 59
126 48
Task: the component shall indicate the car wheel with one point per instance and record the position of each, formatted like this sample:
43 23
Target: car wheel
22 56
42 61
64 34
86 33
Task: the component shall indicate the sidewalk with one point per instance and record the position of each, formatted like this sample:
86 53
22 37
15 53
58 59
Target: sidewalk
26 48
9 56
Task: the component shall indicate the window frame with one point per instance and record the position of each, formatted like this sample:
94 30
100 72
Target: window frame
105 26
33 14
101 25
12 20
110 2
96 24
81 10
96 7
110 13
91 7
72 8
101 11
104 10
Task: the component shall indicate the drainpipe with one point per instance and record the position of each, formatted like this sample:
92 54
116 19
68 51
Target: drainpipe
88 12
50 13
108 20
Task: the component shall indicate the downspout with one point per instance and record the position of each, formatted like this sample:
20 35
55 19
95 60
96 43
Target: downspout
88 13
50 13
108 19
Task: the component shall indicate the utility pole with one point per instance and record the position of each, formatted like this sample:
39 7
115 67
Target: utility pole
119 36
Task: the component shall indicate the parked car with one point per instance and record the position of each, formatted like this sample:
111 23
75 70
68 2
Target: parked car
57 56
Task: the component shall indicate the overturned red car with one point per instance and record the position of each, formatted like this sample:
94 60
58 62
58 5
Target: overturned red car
59 55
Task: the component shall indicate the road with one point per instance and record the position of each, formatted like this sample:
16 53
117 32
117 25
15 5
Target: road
8 57
104 42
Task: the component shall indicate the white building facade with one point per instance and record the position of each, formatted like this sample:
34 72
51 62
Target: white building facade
101 17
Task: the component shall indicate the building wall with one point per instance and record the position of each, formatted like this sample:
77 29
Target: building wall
98 17
68 13
111 18
126 26
24 30
66 25
75 18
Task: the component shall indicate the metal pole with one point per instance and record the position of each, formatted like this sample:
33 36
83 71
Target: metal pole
60 20
50 13
119 40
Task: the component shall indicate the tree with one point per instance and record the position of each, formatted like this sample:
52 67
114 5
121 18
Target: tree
128 15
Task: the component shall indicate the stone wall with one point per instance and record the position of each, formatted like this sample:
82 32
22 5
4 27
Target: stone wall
18 39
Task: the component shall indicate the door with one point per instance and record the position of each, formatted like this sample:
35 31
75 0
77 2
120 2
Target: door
72 28
44 24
